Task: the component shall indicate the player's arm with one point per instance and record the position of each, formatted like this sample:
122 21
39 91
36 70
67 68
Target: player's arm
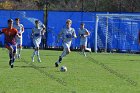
74 34
16 33
43 29
22 29
32 34
86 33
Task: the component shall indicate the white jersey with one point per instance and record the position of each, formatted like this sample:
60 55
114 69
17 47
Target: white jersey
81 33
19 28
37 34
83 40
67 34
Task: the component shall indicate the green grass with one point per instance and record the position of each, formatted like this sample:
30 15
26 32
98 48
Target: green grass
90 74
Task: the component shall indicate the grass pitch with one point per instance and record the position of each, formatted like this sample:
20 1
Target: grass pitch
96 73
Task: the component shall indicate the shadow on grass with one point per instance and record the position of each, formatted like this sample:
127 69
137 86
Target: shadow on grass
27 67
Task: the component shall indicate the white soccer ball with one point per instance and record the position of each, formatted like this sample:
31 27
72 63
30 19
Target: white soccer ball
63 69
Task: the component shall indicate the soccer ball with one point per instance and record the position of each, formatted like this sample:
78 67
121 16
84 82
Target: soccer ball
63 69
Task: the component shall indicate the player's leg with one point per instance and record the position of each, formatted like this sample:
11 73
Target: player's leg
38 55
19 47
66 51
38 43
10 48
82 46
34 52
14 52
83 50
88 49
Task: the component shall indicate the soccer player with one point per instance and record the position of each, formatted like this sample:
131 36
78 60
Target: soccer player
20 29
83 33
10 42
37 32
66 34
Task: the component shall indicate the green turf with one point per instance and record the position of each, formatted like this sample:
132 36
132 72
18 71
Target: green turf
96 73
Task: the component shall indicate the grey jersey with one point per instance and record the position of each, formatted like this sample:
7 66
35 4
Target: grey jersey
67 34
81 33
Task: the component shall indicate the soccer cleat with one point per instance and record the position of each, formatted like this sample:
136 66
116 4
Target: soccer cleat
12 65
60 58
56 64
39 60
18 56
32 59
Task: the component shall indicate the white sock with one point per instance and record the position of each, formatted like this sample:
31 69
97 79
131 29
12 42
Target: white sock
88 49
83 51
19 50
34 53
37 52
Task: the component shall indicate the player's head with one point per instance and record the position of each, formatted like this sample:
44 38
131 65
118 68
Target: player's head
82 25
68 23
36 23
10 22
17 20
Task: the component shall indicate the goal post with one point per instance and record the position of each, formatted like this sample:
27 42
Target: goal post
116 28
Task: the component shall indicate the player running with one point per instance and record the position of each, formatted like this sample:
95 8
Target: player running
20 29
66 34
83 33
10 42
37 32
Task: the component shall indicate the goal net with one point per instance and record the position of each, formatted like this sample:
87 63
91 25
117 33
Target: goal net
116 32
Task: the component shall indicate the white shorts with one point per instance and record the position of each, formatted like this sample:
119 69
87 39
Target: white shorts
36 42
67 45
19 41
83 42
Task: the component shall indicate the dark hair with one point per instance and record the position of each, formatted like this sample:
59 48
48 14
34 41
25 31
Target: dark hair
36 21
10 20
16 19
82 24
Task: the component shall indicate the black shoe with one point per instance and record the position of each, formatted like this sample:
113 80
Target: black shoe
56 64
10 62
12 65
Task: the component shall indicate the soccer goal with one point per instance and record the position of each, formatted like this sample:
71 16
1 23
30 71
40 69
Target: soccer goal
117 32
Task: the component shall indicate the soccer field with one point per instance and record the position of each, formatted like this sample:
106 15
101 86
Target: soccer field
96 73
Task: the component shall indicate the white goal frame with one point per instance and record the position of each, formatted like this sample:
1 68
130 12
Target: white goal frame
108 16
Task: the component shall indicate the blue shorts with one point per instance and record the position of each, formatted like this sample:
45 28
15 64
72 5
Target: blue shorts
7 45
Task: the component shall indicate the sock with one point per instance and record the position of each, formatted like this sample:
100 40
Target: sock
83 51
19 50
10 55
88 49
34 53
38 55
